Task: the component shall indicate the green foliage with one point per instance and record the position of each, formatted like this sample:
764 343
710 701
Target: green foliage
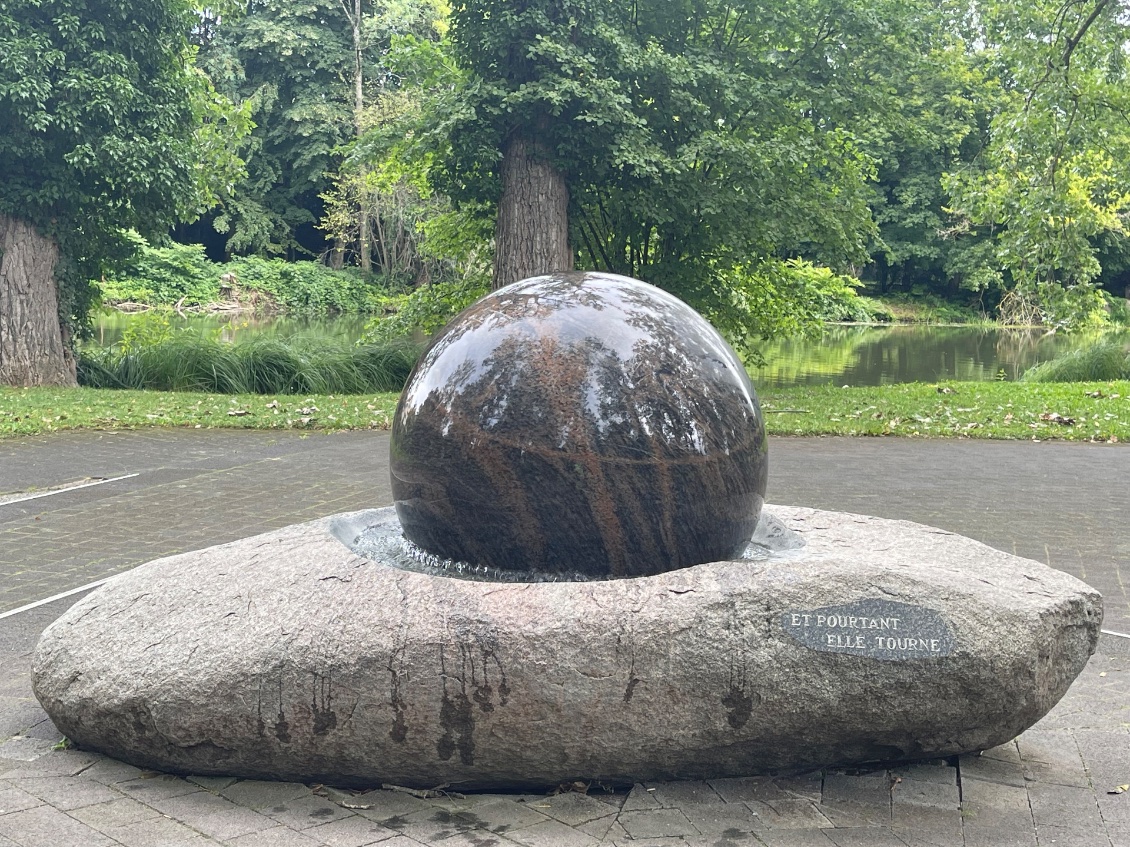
106 125
695 136
426 309
1053 176
186 362
773 299
1104 360
181 274
164 276
308 287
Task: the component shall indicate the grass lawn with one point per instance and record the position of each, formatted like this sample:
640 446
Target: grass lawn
1091 411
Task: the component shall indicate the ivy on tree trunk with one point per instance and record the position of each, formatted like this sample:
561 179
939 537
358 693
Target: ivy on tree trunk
532 232
32 348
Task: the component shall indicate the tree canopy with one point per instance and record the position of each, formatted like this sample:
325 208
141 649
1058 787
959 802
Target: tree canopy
105 125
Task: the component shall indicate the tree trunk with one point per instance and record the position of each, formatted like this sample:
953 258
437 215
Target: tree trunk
531 236
32 346
363 247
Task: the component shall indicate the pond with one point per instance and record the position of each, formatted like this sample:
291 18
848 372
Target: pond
845 355
864 355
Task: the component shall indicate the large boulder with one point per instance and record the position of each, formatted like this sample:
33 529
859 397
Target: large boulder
288 656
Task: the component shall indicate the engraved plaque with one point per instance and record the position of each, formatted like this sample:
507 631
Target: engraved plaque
874 628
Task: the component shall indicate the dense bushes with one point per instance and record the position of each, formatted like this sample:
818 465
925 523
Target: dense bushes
1105 360
188 362
181 274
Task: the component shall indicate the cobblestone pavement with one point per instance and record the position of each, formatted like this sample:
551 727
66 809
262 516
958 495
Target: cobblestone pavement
1058 503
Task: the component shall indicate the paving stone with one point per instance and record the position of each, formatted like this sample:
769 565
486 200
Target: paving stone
928 825
120 812
1062 836
215 784
551 834
669 841
433 825
20 748
864 837
992 770
44 826
796 838
277 836
924 792
67 793
1114 808
872 789
848 814
730 838
640 797
387 804
980 795
1061 805
791 814
159 787
260 794
350 832
987 836
306 812
473 838
940 771
14 799
720 818
111 772
502 815
159 832
657 823
615 835
601 828
212 815
572 809
1106 755
676 795
1004 753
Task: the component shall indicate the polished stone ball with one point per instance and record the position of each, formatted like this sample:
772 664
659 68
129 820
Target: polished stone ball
579 423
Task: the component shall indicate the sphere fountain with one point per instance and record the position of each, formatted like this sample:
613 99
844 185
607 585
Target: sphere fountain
577 581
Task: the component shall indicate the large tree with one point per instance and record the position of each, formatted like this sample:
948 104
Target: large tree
676 140
102 123
1050 187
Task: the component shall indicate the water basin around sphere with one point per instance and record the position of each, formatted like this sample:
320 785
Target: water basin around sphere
382 541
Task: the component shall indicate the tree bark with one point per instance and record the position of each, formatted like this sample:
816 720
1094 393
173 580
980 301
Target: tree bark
32 346
532 232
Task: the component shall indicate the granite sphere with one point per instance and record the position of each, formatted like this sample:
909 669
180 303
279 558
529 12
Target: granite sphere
579 423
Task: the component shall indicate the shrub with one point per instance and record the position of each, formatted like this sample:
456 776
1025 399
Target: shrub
181 274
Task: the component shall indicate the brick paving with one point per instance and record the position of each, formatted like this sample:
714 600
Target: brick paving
1058 503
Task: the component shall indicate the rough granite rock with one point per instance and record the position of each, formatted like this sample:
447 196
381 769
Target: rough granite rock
286 656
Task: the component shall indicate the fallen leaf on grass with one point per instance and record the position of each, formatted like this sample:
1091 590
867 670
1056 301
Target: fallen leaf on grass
238 413
1056 417
1095 394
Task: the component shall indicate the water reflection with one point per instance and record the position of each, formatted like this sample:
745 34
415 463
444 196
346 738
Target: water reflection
852 355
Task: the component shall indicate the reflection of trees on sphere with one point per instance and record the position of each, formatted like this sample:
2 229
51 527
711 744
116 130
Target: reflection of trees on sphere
581 422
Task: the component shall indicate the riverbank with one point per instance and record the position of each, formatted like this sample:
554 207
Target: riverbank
1076 411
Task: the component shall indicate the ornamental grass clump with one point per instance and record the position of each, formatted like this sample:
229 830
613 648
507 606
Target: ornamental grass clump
1105 360
258 366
